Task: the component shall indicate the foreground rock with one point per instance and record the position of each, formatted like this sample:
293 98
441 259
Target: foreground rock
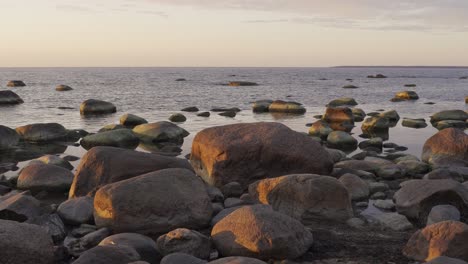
130 120
405 96
305 197
45 132
446 260
63 88
186 241
97 107
279 106
442 213
76 211
161 132
416 198
160 202
144 245
245 232
54 160
446 238
119 138
10 98
447 147
237 260
19 207
248 152
43 177
176 258
25 243
8 137
104 165
108 254
16 83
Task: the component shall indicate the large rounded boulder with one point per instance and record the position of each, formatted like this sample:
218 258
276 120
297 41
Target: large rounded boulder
8 137
25 244
259 232
44 177
447 147
154 203
44 132
160 132
104 165
416 198
119 138
97 107
305 197
9 98
448 238
248 152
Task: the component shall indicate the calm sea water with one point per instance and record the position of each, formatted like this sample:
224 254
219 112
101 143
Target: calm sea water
154 94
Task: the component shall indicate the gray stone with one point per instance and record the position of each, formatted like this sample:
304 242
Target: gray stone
76 211
130 120
183 240
440 213
145 246
97 107
119 138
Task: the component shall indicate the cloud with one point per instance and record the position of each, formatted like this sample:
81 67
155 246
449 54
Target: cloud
417 15
73 8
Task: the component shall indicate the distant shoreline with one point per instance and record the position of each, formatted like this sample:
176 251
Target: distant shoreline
234 67
416 67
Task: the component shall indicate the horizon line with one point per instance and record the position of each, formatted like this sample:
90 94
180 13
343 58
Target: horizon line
339 66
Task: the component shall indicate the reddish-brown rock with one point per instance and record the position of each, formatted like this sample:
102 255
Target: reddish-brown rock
447 147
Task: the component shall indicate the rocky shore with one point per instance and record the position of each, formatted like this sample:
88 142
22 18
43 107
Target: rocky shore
247 193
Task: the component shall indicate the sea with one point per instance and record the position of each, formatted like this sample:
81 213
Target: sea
154 94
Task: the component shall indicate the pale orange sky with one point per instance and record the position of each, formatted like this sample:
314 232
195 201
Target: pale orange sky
281 33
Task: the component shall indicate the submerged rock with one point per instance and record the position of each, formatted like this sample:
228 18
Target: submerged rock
120 138
345 101
190 109
158 132
242 83
243 232
305 197
160 202
97 107
279 106
9 98
377 76
248 152
15 83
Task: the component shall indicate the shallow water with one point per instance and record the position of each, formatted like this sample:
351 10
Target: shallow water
154 94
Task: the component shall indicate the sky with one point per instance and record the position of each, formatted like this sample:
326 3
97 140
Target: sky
232 33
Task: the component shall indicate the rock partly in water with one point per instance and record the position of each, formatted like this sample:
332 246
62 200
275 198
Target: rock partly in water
154 203
178 118
345 101
242 83
244 232
261 106
190 109
161 132
404 96
111 127
279 106
414 122
448 147
9 98
45 132
105 165
8 137
305 197
320 129
204 114
63 88
97 107
446 238
248 152
119 138
231 114
350 86
358 114
131 121
341 140
459 115
16 83
339 118
377 76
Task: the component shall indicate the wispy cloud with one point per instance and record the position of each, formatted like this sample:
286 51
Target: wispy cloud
74 8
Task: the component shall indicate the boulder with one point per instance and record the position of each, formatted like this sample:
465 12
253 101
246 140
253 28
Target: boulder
25 244
259 232
190 109
145 246
97 107
363 165
111 127
225 109
377 76
19 206
350 86
52 224
358 114
228 114
345 101
44 177
261 106
161 132
204 114
320 129
391 171
54 160
341 140
63 88
242 83
414 123
130 120
178 118
183 240
446 260
104 165
450 123
376 143
179 258
238 260
232 189
16 83
440 213
77 211
357 188
8 137
108 254
339 118
305 197
446 238
447 147
459 115
154 203
391 115
279 106
416 198
414 167
120 138
248 152
444 174
9 98
405 95
375 123
44 132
